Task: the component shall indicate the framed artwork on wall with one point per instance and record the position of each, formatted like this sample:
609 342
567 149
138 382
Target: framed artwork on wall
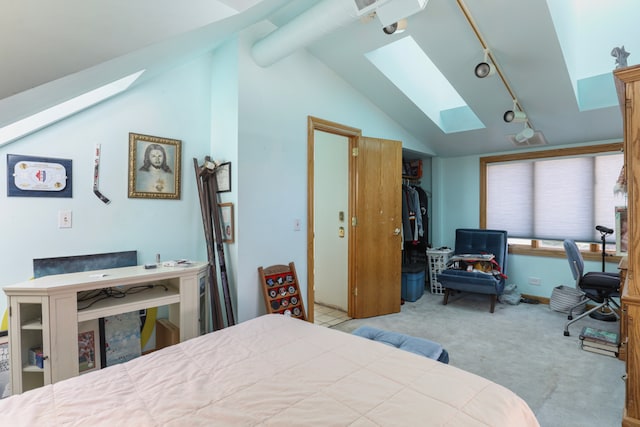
154 167
29 176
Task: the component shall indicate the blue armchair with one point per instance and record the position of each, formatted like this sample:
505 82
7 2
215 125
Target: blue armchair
476 241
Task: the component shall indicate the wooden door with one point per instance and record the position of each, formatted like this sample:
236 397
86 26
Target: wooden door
376 241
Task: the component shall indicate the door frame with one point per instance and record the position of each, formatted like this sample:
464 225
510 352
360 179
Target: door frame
317 124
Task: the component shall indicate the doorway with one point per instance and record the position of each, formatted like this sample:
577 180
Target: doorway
359 228
331 230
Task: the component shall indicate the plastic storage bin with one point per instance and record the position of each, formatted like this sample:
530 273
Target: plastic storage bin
437 259
413 279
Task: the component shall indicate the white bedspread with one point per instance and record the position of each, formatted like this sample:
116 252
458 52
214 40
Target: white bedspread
273 370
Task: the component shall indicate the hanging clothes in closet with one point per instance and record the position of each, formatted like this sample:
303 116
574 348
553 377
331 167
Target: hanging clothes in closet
414 223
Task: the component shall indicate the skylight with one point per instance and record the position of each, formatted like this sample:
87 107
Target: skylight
65 109
424 85
588 30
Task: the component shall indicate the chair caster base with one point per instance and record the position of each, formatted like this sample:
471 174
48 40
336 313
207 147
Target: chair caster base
566 333
610 317
569 317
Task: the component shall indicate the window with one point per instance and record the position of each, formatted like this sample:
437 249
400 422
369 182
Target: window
548 196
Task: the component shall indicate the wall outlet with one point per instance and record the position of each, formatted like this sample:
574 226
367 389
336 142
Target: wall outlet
64 219
535 281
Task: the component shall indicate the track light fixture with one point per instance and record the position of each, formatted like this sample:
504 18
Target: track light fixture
484 69
397 27
524 134
514 115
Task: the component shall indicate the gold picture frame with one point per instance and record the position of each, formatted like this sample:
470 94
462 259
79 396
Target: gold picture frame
154 167
226 222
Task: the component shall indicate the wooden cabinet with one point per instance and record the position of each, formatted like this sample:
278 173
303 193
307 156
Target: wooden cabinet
628 80
44 313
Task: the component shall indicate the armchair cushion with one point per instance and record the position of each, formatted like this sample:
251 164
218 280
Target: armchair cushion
471 281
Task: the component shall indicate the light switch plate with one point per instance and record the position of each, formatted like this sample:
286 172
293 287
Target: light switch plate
64 219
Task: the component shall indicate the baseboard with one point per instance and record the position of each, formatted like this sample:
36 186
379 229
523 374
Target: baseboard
545 300
541 300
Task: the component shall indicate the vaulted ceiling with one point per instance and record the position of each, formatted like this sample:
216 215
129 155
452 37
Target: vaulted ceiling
53 51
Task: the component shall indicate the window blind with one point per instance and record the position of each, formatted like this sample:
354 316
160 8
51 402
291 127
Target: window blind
554 199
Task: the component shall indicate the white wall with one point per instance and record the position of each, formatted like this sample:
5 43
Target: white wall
175 105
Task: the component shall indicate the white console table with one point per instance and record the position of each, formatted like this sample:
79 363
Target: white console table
44 312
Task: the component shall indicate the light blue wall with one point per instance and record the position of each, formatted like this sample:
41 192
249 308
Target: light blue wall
174 105
274 104
226 106
456 197
224 143
456 194
222 105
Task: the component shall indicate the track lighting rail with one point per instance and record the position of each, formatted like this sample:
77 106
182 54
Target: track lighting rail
485 47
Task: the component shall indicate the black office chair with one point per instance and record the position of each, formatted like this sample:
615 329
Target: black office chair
597 287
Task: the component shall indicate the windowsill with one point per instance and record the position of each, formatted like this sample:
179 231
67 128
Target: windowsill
559 253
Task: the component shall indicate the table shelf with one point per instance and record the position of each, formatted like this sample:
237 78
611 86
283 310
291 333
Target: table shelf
46 312
154 297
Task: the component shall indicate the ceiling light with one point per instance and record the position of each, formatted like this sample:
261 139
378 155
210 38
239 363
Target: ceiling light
484 69
392 11
364 7
514 115
524 134
396 27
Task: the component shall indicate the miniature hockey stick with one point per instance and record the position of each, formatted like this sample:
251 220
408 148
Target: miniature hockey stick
96 167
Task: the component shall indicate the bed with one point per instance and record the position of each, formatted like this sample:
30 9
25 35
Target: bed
273 370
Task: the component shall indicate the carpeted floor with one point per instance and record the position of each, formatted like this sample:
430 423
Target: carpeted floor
521 347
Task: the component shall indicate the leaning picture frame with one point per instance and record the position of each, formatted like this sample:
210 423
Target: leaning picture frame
88 346
223 177
154 167
226 222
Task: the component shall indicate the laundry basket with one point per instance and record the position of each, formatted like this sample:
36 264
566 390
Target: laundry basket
564 297
437 262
